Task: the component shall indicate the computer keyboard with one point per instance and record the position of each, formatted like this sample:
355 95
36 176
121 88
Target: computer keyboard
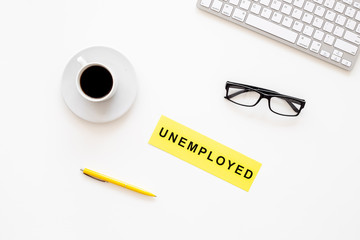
326 29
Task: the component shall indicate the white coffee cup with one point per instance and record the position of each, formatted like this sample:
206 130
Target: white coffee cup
95 82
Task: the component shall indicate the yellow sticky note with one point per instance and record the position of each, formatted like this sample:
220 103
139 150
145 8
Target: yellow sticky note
205 153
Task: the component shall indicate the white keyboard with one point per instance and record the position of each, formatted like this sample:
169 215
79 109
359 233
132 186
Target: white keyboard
326 29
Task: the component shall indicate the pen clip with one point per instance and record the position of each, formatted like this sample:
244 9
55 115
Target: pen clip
95 178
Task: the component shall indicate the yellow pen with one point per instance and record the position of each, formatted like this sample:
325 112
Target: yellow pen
104 178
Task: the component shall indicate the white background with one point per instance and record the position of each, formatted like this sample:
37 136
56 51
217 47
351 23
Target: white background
309 183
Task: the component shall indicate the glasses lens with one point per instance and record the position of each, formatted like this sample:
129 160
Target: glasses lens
243 96
285 106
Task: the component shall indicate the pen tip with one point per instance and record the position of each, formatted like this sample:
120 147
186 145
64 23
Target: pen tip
81 169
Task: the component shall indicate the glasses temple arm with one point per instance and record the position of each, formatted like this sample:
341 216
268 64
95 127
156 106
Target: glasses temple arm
292 106
236 93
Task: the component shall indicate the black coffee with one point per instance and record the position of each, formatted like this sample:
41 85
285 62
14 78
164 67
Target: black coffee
96 81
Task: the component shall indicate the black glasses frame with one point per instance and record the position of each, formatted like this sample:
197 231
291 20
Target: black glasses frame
264 93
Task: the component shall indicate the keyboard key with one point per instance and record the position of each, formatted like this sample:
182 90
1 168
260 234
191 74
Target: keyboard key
286 9
318 35
297 13
329 39
308 30
335 58
307 17
357 5
205 3
298 26
298 3
255 8
271 28
338 53
315 47
287 22
245 4
348 1
239 14
328 27
350 24
350 12
319 11
357 17
277 17
309 6
318 1
346 62
227 10
303 41
339 31
345 46
329 3
216 6
340 20
330 15
324 53
234 2
266 13
339 7
352 37
265 2
358 28
318 22
276 5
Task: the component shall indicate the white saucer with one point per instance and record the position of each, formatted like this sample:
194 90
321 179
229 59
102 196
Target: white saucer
118 104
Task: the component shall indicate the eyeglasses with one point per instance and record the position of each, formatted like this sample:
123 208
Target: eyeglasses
249 96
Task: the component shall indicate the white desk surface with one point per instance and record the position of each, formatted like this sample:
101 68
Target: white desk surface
309 183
